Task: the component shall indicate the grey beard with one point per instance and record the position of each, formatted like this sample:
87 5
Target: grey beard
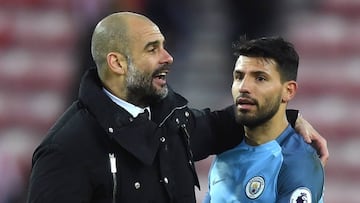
140 90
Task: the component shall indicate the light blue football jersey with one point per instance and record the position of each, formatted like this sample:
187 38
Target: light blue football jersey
283 170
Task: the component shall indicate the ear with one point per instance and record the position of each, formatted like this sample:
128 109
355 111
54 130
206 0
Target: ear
117 62
289 91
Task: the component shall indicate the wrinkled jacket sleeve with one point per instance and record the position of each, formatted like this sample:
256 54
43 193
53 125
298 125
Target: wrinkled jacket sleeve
54 179
214 132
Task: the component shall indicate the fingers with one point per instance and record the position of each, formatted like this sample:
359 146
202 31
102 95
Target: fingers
323 151
307 137
324 159
304 128
310 135
320 144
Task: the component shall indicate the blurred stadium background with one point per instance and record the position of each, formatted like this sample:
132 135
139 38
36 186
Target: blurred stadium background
44 47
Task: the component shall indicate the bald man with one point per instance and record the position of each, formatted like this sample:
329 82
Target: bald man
129 137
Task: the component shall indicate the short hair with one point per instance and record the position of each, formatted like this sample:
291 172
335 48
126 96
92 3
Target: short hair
276 48
110 34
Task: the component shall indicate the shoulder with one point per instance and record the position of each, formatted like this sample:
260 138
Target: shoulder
300 159
301 168
293 144
73 120
72 129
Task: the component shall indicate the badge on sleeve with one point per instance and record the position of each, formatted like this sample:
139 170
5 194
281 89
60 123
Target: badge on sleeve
301 195
255 187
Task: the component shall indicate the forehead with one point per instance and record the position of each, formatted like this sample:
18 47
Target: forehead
142 32
245 63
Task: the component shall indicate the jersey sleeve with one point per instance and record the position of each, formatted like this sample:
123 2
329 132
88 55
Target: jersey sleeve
301 179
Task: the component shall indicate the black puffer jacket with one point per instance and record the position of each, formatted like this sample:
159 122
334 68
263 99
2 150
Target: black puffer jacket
152 159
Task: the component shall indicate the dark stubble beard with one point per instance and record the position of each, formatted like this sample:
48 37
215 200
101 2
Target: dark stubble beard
265 113
140 89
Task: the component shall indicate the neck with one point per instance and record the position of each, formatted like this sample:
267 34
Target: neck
267 131
112 85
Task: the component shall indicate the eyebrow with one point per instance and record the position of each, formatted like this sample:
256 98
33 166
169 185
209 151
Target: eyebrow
258 72
153 43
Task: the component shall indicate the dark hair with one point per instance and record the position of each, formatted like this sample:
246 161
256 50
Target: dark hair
276 48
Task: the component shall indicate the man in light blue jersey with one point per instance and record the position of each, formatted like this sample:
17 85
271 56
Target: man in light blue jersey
272 163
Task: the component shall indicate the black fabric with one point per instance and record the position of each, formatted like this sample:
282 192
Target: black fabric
72 163
154 158
145 114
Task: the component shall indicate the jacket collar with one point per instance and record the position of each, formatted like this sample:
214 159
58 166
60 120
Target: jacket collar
161 110
137 135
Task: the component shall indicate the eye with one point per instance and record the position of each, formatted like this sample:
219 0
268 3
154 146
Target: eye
260 78
152 49
238 76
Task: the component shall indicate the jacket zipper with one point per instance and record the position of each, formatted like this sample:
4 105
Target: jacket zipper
190 153
112 159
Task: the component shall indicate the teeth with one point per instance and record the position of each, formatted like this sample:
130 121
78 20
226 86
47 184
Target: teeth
161 75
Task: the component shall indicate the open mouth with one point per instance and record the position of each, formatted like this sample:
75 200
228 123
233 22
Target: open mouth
161 75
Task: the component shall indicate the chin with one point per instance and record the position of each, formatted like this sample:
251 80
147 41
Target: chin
163 92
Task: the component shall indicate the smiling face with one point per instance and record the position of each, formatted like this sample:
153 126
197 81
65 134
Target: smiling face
257 90
148 63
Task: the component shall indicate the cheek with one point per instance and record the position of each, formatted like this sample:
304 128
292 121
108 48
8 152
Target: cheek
274 95
144 64
234 91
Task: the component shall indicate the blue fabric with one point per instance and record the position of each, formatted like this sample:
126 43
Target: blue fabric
283 170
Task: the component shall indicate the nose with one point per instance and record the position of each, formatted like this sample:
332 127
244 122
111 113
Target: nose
166 57
242 86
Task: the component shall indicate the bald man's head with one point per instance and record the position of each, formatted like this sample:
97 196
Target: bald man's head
112 34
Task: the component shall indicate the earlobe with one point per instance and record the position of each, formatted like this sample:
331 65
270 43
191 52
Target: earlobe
116 62
289 91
